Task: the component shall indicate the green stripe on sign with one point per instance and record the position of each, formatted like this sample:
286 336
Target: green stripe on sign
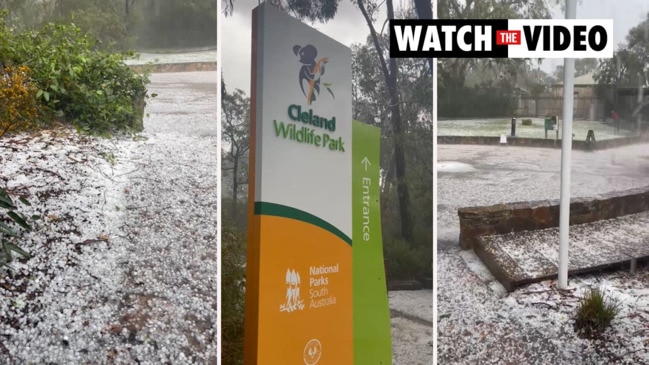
372 330
279 210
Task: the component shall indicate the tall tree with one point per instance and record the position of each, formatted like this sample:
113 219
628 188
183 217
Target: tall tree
453 71
320 10
104 20
630 61
25 13
370 96
177 24
424 9
235 119
390 72
582 67
628 67
473 87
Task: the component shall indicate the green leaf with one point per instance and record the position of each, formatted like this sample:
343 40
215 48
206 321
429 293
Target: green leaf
326 84
36 217
18 250
4 197
331 92
25 201
4 205
7 230
6 202
6 251
46 95
18 219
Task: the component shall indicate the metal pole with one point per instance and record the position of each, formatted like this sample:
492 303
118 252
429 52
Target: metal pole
566 149
513 127
639 116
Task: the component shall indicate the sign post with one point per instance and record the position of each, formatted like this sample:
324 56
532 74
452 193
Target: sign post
299 305
372 328
566 153
311 296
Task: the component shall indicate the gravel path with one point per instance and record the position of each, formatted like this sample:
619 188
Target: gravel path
170 302
411 315
478 322
494 175
124 268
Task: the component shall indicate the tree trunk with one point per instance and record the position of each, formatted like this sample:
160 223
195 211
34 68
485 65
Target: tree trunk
640 92
424 9
390 76
399 151
235 184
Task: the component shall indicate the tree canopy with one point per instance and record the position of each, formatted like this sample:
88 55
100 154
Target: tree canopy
582 67
124 24
630 62
321 10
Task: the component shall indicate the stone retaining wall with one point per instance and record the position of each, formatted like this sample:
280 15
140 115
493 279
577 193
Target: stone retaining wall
175 67
525 216
538 142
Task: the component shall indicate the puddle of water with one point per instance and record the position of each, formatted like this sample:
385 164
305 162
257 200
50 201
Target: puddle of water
454 167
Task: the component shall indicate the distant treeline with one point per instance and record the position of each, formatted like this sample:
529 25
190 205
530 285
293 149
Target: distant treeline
174 23
125 24
475 102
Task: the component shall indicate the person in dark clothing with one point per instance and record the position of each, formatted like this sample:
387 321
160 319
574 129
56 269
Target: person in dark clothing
616 120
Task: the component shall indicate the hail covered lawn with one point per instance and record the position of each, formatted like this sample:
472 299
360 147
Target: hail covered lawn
124 256
497 127
179 57
478 321
411 315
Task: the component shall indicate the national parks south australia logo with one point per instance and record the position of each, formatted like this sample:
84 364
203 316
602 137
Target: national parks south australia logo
293 300
311 72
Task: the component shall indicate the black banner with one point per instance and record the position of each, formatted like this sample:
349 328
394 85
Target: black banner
446 38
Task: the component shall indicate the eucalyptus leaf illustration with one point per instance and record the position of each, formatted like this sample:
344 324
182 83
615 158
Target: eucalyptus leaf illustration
331 92
311 71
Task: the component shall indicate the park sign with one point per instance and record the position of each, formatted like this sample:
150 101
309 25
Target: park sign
299 305
314 189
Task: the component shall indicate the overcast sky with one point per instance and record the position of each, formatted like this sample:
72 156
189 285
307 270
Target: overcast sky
349 27
626 14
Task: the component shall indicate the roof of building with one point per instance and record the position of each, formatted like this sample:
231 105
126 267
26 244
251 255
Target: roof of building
586 79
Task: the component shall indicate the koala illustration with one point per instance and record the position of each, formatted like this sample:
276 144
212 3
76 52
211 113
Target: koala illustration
310 71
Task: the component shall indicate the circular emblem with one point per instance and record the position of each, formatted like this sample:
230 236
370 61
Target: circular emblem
312 352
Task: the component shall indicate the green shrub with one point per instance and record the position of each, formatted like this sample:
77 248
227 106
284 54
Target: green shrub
595 313
92 89
405 261
475 102
526 121
104 20
18 106
233 259
8 234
